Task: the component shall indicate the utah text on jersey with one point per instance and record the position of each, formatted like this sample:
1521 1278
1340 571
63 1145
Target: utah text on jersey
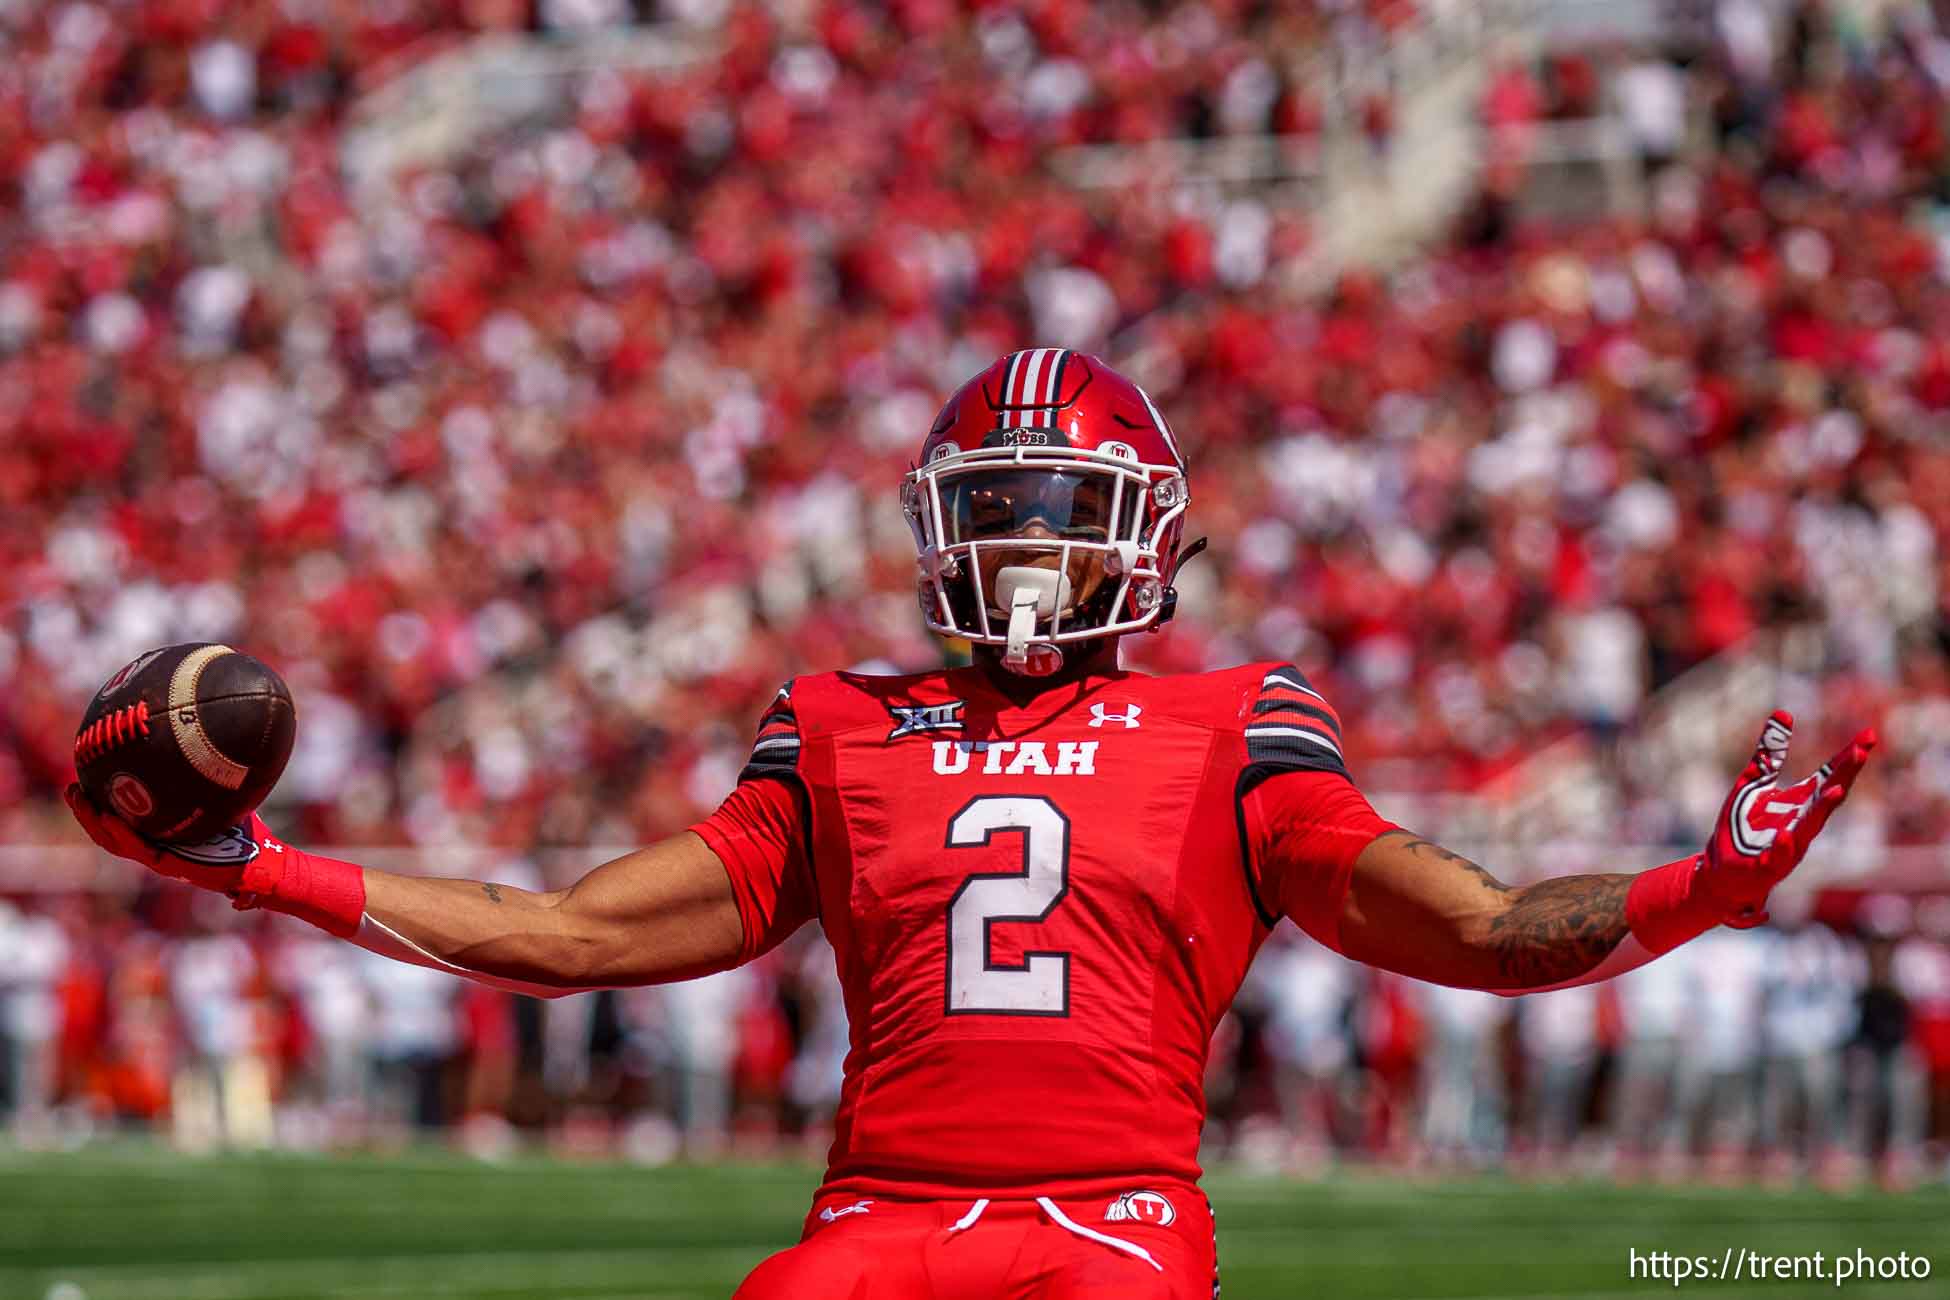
1017 757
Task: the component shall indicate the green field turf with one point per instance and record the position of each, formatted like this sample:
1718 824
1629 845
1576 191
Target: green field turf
133 1223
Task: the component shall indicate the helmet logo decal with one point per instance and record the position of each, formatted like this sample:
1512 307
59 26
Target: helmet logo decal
1121 450
1026 438
942 452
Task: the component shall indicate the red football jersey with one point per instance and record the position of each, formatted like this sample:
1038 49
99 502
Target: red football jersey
1040 911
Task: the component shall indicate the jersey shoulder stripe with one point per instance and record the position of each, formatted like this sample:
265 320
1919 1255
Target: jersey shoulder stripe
811 711
1291 726
775 752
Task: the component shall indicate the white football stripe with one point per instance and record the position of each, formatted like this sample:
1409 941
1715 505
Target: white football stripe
186 722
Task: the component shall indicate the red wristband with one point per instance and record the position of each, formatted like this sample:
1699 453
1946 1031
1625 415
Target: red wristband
324 891
1662 909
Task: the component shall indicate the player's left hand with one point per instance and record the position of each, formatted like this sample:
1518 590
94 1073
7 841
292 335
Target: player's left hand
1765 828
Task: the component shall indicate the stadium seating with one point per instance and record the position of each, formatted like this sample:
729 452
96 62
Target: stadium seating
539 469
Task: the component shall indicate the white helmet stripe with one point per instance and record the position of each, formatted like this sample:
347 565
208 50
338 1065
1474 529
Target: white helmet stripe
1008 390
1031 391
1052 389
1163 428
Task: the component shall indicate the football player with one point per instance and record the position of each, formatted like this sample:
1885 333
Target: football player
1044 877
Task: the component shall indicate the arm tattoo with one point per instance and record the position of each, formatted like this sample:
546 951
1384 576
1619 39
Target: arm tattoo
1549 932
493 892
1559 929
1430 849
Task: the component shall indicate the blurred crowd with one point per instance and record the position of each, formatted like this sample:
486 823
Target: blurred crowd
536 470
1797 1051
1794 1051
184 1017
536 473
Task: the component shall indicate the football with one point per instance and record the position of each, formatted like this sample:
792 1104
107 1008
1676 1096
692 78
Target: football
186 740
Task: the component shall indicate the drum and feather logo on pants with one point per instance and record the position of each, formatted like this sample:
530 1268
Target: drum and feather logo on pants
1141 1207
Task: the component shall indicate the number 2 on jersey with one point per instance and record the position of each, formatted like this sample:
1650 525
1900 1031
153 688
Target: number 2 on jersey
977 985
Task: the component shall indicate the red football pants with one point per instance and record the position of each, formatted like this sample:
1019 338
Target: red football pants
862 1248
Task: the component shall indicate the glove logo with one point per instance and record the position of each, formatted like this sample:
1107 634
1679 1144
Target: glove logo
233 847
1765 828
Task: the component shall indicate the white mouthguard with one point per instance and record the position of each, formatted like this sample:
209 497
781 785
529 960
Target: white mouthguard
1030 593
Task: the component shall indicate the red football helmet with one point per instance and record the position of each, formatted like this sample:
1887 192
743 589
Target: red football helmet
1047 507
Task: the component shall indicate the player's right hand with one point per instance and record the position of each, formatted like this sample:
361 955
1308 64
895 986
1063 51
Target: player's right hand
1764 828
216 864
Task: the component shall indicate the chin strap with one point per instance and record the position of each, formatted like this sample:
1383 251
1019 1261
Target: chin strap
1168 604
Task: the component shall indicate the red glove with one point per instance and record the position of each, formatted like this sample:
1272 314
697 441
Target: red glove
1763 831
253 867
215 864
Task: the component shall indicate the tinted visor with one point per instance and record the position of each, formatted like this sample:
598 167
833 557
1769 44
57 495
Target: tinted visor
1006 502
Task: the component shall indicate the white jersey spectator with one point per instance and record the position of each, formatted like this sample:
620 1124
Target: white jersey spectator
1655 1003
1814 982
813 1082
222 1092
1308 990
703 1027
1652 98
33 954
324 976
413 1035
1719 1066
1463 1097
1559 1034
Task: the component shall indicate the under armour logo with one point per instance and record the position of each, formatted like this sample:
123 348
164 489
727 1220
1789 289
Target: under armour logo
831 1213
1099 715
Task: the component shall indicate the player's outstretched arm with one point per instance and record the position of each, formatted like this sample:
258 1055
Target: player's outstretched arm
662 913
1415 907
